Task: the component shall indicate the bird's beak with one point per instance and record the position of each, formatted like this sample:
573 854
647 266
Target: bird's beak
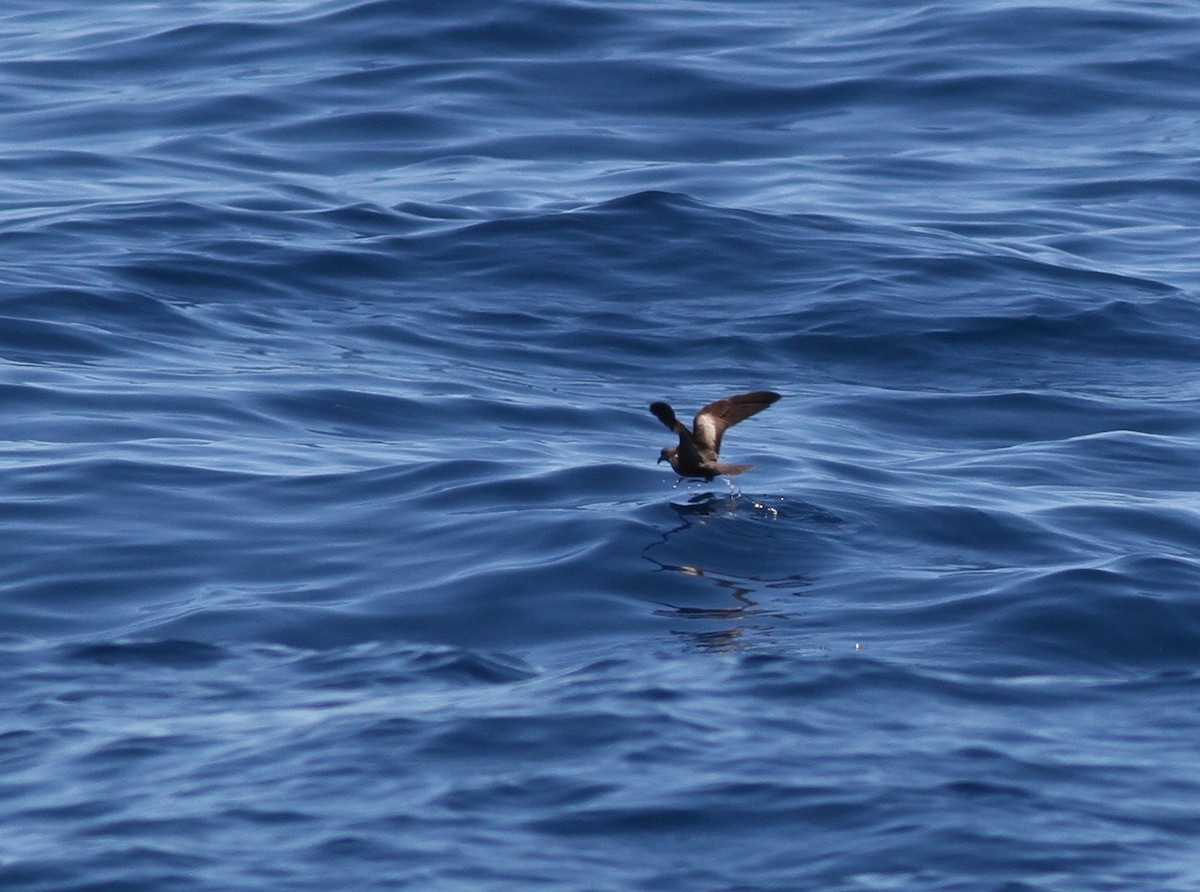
660 460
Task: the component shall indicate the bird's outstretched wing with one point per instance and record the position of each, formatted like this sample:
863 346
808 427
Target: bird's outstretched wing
666 415
687 446
712 421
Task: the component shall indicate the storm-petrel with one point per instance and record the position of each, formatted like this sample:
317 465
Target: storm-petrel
699 448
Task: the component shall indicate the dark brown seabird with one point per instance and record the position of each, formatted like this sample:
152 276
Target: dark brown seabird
699 448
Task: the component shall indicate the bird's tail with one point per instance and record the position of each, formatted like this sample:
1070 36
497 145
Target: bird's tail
732 469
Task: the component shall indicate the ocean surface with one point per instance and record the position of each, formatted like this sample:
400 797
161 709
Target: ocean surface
333 550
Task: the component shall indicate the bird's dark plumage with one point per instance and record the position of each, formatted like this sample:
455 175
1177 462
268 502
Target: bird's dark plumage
699 448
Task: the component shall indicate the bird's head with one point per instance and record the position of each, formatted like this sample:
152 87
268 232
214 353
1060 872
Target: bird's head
667 455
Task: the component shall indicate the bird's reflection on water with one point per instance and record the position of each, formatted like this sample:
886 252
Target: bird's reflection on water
700 510
709 504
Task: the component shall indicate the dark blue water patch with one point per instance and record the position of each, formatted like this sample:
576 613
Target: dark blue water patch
1005 419
175 654
188 534
456 666
625 239
1163 71
1135 464
1146 528
202 114
107 313
64 162
347 412
530 26
389 127
589 485
1036 31
55 414
1099 622
987 538
1170 189
1102 618
952 266
911 336
34 341
138 51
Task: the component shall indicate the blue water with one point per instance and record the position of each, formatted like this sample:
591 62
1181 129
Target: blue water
335 554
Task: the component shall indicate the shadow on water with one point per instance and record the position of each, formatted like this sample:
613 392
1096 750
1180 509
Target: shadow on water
736 562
